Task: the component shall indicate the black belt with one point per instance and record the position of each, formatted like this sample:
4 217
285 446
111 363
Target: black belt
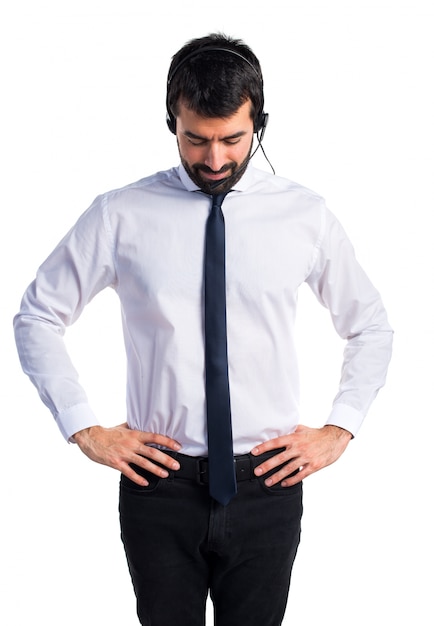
196 468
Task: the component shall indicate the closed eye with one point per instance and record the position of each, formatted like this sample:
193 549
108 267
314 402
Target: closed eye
196 142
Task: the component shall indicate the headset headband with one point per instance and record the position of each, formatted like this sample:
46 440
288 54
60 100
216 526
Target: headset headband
210 49
261 119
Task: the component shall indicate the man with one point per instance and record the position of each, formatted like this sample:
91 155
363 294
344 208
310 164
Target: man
191 522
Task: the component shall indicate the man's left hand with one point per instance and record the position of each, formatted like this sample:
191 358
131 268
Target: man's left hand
306 449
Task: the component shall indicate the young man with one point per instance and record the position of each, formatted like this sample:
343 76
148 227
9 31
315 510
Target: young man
212 454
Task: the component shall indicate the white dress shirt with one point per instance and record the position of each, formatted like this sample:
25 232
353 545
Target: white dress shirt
146 241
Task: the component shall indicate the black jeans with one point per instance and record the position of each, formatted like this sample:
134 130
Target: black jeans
180 544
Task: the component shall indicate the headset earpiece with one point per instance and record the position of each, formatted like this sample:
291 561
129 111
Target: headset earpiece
171 123
261 124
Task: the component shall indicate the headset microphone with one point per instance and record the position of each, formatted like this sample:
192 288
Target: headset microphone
222 181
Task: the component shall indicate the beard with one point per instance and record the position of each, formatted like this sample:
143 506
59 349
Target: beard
214 187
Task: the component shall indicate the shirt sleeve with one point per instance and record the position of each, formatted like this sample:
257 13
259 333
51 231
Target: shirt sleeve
359 317
78 268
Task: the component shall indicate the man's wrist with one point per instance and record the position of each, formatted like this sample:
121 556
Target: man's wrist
80 435
339 432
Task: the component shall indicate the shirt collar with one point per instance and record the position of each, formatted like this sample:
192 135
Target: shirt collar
244 183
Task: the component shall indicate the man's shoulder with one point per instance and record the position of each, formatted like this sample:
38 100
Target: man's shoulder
164 178
270 183
149 192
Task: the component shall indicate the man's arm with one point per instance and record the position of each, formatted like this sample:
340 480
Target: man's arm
79 267
359 317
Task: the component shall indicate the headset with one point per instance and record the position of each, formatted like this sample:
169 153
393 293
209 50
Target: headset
261 119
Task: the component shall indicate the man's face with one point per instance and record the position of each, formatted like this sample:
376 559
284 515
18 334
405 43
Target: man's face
213 149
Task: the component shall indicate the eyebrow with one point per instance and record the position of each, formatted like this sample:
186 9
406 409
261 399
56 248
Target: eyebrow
191 135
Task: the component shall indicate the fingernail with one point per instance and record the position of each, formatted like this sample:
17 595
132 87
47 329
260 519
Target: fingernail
175 465
269 482
177 446
259 471
255 451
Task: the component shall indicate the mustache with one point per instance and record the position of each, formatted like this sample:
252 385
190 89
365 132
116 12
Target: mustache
207 170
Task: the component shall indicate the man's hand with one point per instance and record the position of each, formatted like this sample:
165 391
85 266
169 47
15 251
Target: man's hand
306 449
119 446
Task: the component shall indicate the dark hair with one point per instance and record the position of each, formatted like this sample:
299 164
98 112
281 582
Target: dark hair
213 82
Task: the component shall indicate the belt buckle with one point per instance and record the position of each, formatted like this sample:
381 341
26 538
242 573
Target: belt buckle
202 471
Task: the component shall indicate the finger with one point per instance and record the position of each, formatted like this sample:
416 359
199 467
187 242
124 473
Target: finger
128 471
271 444
283 473
158 456
297 478
293 480
159 440
126 467
283 456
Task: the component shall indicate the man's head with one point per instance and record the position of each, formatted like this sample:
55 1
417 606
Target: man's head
215 103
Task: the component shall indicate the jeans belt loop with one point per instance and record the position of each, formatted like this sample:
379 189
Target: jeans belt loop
202 471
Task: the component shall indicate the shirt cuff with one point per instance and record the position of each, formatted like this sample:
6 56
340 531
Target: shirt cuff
346 417
74 419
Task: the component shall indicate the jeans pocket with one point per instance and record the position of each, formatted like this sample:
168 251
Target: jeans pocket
278 490
129 485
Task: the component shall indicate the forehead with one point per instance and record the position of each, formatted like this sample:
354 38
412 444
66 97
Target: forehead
189 121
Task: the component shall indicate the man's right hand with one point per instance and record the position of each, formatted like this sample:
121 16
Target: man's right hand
120 446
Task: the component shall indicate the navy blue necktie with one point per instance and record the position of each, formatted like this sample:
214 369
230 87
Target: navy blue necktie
222 483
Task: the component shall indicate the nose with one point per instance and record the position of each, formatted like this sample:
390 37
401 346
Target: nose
215 157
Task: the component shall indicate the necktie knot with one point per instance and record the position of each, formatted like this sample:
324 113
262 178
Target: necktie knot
217 201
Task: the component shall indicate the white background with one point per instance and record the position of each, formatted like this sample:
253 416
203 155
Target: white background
349 91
